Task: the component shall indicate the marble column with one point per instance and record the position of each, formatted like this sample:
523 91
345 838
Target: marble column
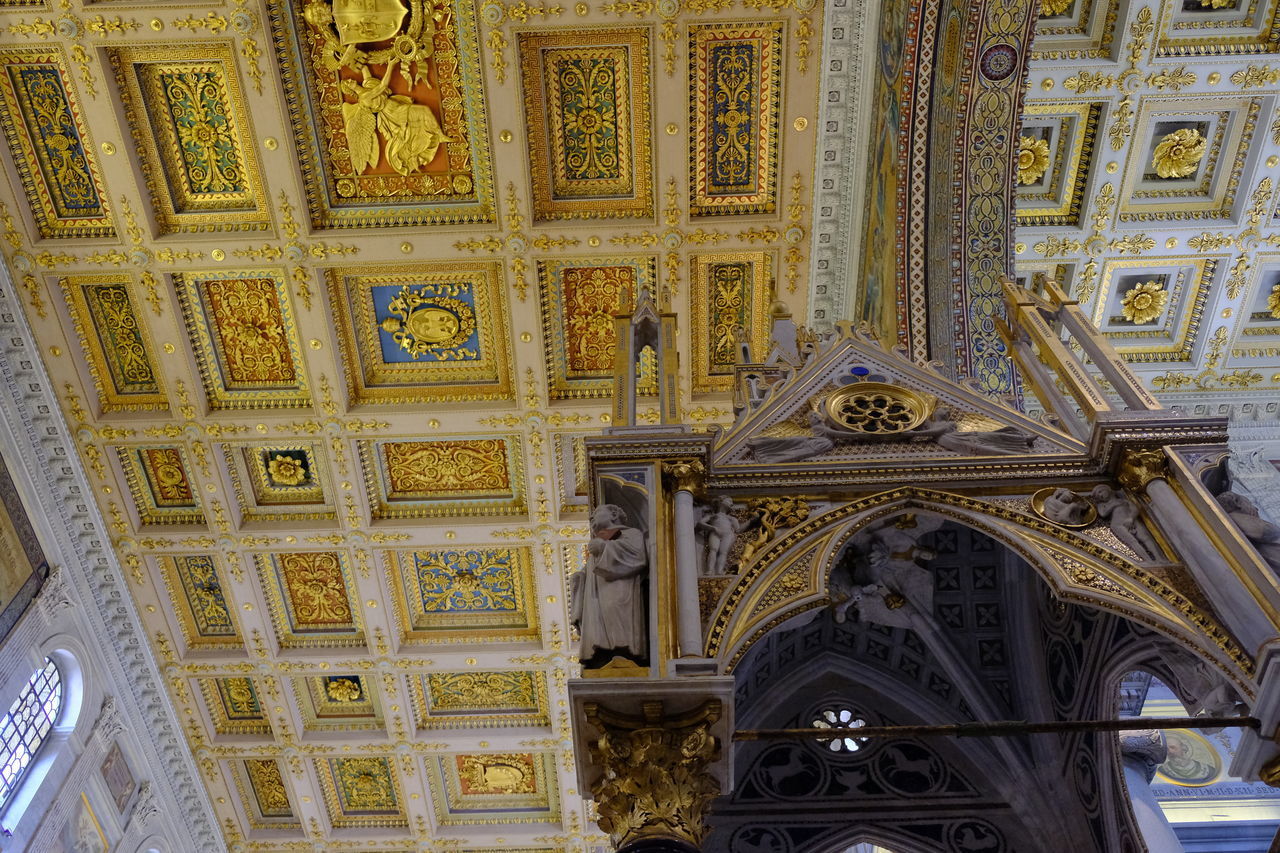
686 476
1147 471
1141 751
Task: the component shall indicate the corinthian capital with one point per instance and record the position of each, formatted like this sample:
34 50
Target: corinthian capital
1140 467
686 474
656 785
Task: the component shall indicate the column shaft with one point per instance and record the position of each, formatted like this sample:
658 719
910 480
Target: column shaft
688 621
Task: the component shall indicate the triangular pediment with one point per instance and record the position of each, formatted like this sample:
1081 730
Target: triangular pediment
818 408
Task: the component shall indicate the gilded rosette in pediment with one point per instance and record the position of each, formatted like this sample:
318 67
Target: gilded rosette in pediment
388 109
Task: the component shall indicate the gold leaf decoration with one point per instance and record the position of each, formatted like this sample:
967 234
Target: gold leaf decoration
1215 4
1179 153
1273 302
1144 303
1033 159
1049 8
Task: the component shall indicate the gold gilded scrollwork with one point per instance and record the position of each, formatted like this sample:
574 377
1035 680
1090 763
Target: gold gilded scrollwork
655 781
772 513
1140 467
1179 153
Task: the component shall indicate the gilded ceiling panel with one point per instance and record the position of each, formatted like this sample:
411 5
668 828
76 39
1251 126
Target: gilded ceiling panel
731 294
388 111
117 346
517 787
309 598
195 586
734 73
473 594
423 479
281 481
245 338
1218 27
571 471
189 125
445 700
586 96
47 137
361 791
1075 29
234 706
1055 155
579 298
161 485
1260 320
423 332
341 702
1190 156
1151 308
265 797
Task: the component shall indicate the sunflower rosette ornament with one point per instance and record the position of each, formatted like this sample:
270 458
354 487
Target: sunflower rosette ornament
1144 303
1179 153
1033 159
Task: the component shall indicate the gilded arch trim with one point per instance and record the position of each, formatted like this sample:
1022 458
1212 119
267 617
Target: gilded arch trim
1075 568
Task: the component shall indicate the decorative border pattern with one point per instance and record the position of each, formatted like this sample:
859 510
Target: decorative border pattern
734 93
586 96
116 342
392 351
245 338
48 139
188 120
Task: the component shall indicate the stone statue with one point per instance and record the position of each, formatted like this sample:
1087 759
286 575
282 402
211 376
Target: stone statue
1064 506
792 448
996 442
1264 535
885 574
1122 514
940 428
721 528
608 597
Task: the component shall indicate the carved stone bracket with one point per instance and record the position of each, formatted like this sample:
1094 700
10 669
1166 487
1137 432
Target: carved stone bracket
656 780
1139 467
109 723
147 807
55 593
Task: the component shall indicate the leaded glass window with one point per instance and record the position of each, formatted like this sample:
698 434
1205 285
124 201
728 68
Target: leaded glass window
27 724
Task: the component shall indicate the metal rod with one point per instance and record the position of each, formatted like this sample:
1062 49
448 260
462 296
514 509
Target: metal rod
1002 728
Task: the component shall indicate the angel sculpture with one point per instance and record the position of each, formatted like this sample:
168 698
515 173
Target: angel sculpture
410 131
1125 523
720 527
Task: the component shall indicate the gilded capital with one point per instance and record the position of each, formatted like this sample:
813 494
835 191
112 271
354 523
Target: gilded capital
686 474
656 781
1140 467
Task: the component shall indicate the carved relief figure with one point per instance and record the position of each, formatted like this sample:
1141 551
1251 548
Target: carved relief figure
1122 513
1064 506
882 575
410 131
1264 535
939 427
609 595
720 527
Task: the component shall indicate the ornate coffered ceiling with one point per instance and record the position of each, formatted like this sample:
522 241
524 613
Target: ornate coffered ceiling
327 298
1147 181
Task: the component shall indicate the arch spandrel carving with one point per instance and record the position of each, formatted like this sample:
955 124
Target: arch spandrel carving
1075 567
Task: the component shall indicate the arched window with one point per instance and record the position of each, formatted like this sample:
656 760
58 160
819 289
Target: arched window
27 724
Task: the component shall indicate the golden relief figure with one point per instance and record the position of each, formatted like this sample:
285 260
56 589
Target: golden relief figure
360 36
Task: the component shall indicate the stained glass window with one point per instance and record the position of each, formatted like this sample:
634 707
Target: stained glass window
27 724
840 718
